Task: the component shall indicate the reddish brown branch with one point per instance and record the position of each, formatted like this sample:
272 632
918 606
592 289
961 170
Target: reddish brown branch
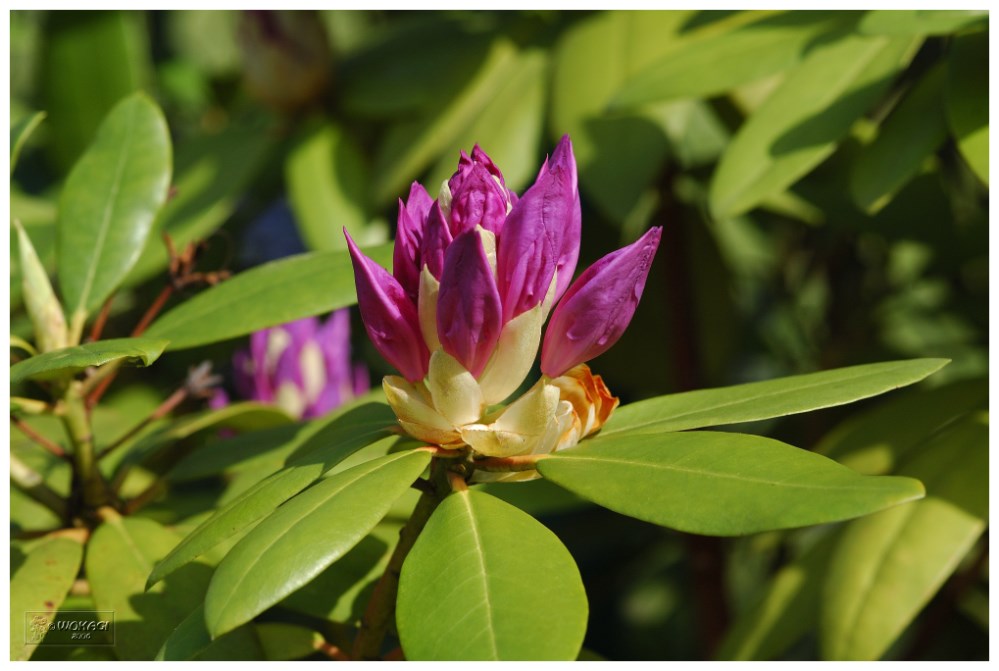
38 438
98 328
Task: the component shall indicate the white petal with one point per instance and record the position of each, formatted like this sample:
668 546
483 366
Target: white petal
513 357
519 428
289 398
455 393
313 366
427 308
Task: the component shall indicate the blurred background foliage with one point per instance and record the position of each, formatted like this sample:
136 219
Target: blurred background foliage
822 178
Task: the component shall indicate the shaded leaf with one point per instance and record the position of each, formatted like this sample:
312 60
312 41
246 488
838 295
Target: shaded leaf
120 554
327 180
513 591
804 119
910 135
109 202
190 641
763 400
71 360
889 565
282 641
19 134
274 293
38 586
920 22
304 536
326 445
720 484
968 99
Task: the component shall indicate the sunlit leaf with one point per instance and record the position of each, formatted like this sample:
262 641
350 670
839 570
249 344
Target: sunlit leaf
304 536
71 360
920 21
283 641
274 293
968 100
803 120
513 591
889 565
190 641
720 484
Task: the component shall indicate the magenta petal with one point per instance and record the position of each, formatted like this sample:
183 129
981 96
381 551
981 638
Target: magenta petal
409 238
598 306
479 201
389 316
469 317
436 238
540 236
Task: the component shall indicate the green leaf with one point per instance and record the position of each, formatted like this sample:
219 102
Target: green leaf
888 566
512 590
921 22
804 119
109 202
190 641
720 484
274 293
304 536
38 586
909 136
19 134
747 52
40 300
767 399
120 555
240 452
71 360
787 610
508 128
281 641
967 98
327 444
327 180
213 172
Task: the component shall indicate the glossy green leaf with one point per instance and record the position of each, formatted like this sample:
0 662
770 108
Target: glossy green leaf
282 641
512 592
90 60
888 566
324 447
274 293
19 134
38 586
110 200
411 146
327 180
787 610
304 536
242 451
877 441
120 554
212 172
720 484
712 65
71 360
508 128
767 399
804 119
190 642
920 22
910 135
968 99
242 416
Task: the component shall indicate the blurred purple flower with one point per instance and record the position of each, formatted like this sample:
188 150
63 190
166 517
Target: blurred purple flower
303 367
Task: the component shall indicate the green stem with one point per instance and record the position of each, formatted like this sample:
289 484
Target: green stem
381 607
87 478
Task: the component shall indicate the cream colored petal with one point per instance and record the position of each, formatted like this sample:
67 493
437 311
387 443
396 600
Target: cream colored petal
427 308
289 398
549 300
444 199
520 427
489 246
456 394
415 415
513 357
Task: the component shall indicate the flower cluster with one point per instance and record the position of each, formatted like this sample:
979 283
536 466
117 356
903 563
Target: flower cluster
303 367
475 274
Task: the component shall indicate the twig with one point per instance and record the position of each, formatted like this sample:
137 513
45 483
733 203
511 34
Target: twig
101 321
38 438
31 483
527 462
164 408
332 651
153 310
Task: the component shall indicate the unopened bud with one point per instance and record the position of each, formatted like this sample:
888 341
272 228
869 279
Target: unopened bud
40 300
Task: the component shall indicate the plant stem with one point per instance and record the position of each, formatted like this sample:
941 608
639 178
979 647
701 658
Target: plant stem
31 483
527 462
38 438
161 411
87 479
381 607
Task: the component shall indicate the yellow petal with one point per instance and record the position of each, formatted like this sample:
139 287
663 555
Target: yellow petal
427 308
455 393
416 415
513 357
519 428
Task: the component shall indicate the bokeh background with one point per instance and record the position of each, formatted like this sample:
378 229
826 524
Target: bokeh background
821 177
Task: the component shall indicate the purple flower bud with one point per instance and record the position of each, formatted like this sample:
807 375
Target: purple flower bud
540 236
389 316
409 238
302 366
478 194
598 306
436 238
469 316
